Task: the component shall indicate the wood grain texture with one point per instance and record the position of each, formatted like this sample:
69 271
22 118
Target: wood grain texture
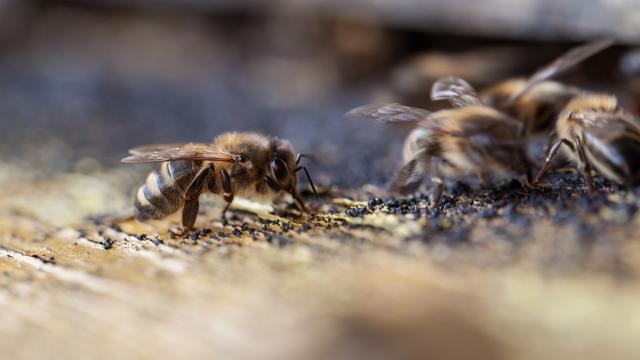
372 279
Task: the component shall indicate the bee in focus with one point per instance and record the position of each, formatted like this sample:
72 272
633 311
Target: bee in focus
471 138
243 164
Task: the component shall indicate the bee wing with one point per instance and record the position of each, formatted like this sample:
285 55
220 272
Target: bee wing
456 90
408 178
389 113
606 126
170 152
150 148
564 62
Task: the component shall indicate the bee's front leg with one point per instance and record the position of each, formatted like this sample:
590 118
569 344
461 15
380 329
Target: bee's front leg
227 189
552 154
437 179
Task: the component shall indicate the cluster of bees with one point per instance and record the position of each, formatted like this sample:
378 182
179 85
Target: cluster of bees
489 131
483 132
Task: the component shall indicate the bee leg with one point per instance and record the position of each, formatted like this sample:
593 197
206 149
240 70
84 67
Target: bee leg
585 166
190 212
436 193
299 203
551 155
228 193
550 137
191 202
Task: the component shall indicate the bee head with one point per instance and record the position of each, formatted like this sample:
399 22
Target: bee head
283 169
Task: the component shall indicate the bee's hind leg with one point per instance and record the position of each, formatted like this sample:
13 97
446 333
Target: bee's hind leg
191 201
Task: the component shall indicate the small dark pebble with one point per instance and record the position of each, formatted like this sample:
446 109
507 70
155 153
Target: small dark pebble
357 211
375 202
392 203
247 228
237 232
108 243
446 201
222 234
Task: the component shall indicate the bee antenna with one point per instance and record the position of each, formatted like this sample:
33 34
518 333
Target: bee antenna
306 172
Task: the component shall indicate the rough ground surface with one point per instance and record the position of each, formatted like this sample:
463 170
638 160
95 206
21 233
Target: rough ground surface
505 273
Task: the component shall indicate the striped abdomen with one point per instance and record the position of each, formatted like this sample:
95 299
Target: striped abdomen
163 192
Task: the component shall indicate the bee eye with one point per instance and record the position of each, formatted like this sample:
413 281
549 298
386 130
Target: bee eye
280 171
241 158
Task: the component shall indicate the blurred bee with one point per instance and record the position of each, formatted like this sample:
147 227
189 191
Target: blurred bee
410 82
244 164
598 133
471 138
538 101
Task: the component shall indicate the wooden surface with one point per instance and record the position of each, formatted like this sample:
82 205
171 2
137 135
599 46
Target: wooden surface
333 285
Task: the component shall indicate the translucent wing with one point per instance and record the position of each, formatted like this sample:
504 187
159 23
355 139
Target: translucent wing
408 178
606 125
564 62
170 152
389 113
150 148
457 91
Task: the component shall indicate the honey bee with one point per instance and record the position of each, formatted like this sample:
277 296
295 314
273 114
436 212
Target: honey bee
472 138
597 132
536 101
244 164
